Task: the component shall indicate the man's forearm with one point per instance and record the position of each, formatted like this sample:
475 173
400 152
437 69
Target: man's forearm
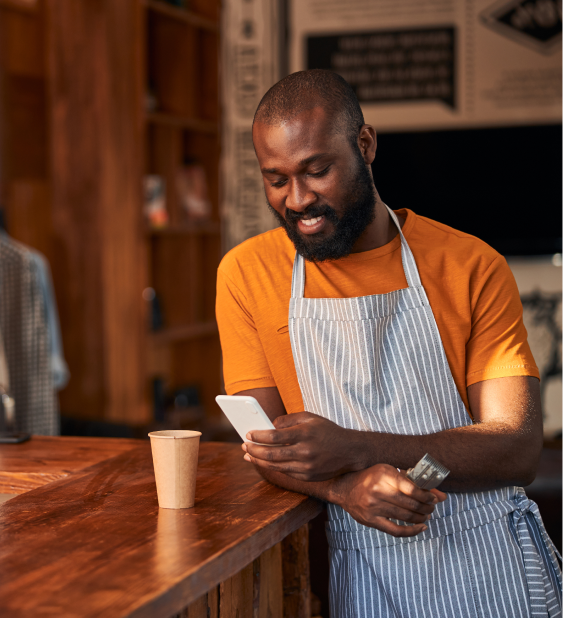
323 490
480 456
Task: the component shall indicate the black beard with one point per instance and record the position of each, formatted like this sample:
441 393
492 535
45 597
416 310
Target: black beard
357 215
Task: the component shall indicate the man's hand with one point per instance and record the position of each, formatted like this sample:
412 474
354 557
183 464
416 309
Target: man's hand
305 446
375 494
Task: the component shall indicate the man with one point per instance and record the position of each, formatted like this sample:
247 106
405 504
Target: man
398 336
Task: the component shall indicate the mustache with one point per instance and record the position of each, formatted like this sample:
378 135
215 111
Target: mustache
316 210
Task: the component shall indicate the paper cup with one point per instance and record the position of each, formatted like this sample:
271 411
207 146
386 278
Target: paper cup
174 456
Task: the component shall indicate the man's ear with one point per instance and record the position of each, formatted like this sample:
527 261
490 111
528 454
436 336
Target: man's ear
367 143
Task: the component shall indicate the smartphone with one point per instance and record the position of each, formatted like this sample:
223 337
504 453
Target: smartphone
245 414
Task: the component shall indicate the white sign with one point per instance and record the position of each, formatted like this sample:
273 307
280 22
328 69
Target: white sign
437 64
250 66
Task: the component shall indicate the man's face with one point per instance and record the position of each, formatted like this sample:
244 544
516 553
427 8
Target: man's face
318 185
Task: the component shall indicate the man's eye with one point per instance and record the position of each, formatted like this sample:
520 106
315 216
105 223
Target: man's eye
278 183
321 173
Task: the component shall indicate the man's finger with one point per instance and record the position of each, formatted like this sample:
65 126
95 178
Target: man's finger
410 504
407 487
395 530
439 494
274 436
393 511
270 453
290 420
288 469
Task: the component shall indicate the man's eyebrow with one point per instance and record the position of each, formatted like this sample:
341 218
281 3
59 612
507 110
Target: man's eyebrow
302 163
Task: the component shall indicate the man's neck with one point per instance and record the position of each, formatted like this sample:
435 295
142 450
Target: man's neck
380 231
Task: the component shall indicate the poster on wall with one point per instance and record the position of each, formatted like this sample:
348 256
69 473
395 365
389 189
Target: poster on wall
437 64
250 66
539 284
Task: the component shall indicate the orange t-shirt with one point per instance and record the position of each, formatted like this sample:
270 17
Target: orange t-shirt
469 285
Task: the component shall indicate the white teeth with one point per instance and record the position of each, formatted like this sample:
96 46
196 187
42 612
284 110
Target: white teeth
310 222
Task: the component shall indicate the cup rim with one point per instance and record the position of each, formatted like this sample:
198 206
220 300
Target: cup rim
187 434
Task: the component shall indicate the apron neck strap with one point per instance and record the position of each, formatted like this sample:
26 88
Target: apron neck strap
409 265
298 279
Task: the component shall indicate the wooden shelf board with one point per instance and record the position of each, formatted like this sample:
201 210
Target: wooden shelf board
189 17
184 333
209 228
20 5
183 122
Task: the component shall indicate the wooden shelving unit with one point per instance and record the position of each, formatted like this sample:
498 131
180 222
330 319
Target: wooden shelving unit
72 180
183 122
181 56
190 17
210 228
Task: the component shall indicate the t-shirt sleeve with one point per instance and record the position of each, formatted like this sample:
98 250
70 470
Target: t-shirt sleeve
244 363
498 345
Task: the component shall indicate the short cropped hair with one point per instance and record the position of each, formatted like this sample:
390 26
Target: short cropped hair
308 89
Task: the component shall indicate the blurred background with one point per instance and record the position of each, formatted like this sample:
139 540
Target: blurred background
127 171
126 161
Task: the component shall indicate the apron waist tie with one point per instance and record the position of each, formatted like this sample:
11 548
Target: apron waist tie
527 523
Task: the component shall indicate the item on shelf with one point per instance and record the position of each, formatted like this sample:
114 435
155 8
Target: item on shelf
159 399
155 201
151 100
191 184
184 409
156 321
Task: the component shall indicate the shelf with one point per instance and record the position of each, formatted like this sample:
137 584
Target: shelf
188 17
27 6
184 333
206 228
183 122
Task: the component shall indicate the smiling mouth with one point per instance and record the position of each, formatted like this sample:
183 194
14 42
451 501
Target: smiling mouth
311 222
312 225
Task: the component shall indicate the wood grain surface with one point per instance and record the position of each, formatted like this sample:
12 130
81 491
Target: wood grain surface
44 459
95 543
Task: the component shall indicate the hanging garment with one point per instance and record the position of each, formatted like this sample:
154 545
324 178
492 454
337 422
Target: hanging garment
23 323
377 363
59 368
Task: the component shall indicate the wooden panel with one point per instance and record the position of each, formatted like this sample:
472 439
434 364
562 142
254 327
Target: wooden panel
236 594
173 56
97 540
183 15
205 150
165 157
96 115
173 279
197 609
208 8
296 574
28 6
22 42
209 76
29 200
198 362
268 588
26 126
213 602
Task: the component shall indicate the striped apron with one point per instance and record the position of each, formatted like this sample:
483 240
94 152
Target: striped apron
377 363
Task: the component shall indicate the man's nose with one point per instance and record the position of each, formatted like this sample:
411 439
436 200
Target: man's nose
299 196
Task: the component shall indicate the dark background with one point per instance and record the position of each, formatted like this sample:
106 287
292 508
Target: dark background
502 185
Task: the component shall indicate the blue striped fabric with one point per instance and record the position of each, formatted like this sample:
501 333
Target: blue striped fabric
377 363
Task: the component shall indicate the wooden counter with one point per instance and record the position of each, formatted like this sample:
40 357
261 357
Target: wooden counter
87 537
